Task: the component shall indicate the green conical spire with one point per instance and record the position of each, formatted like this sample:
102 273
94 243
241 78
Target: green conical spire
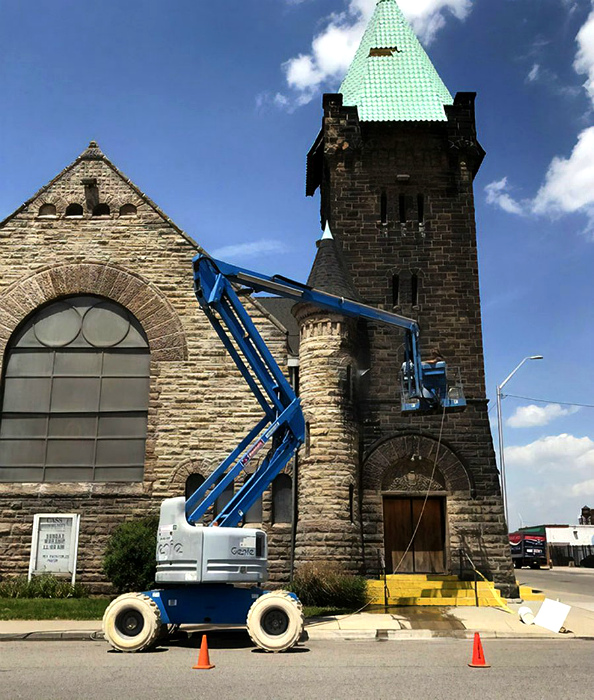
391 77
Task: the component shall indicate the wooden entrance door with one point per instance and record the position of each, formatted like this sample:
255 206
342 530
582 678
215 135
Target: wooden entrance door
426 555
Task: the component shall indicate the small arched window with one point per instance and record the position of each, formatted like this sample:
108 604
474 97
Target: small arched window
421 208
384 208
282 499
73 210
254 513
128 210
101 210
75 395
224 498
414 289
395 290
193 483
47 210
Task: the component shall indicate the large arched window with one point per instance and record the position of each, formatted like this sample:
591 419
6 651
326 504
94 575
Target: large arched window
75 395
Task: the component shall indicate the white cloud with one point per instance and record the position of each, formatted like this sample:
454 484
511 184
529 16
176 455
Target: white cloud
533 74
562 454
333 49
549 479
583 489
569 182
584 60
250 250
498 195
533 416
568 185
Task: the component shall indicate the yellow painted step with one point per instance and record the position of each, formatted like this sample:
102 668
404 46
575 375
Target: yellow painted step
442 602
433 585
527 593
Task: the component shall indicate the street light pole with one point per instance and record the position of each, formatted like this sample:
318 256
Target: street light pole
500 429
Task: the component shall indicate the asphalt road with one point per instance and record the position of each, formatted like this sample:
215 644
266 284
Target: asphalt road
434 669
574 586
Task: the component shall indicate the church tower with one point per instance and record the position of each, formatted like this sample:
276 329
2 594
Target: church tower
395 162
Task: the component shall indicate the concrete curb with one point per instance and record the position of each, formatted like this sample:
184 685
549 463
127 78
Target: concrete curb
55 636
364 635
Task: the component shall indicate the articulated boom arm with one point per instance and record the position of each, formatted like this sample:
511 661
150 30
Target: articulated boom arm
424 385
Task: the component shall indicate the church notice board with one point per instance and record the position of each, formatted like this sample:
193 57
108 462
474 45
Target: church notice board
55 544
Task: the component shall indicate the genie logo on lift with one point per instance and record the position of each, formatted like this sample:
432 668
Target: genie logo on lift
246 548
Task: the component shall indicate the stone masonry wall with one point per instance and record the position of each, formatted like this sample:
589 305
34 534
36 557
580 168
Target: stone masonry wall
328 527
199 404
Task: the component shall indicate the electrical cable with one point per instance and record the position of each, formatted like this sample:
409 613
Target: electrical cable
560 403
443 415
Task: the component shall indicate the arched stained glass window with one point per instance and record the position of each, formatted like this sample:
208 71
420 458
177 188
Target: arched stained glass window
75 395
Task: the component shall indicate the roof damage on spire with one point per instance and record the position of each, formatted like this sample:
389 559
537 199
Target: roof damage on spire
391 77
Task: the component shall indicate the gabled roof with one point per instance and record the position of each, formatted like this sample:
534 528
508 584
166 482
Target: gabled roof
329 272
93 152
391 77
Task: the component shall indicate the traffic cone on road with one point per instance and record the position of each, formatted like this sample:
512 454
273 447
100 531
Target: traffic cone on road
203 658
478 657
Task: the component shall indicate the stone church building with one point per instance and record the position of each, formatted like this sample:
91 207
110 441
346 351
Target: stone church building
116 392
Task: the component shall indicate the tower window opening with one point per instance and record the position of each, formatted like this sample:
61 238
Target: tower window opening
47 210
421 208
128 210
414 289
73 210
395 290
384 208
101 210
402 208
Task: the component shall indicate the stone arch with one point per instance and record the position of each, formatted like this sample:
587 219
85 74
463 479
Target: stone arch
385 463
155 313
177 479
50 198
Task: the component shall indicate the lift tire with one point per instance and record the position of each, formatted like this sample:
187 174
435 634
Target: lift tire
132 622
275 621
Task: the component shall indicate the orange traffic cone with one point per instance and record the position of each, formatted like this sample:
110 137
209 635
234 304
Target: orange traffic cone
203 658
478 657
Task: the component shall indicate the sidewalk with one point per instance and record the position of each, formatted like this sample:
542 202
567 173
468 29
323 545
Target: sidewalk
395 624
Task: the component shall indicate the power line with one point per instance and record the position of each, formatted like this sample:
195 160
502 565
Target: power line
560 403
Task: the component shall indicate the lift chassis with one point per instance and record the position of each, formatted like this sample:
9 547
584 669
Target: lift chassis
205 571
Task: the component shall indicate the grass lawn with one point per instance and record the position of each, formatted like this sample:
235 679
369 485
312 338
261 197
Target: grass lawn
52 608
89 609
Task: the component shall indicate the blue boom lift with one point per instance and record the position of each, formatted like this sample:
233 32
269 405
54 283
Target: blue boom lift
199 566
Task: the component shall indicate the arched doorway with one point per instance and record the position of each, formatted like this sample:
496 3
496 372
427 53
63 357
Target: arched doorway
414 513
411 483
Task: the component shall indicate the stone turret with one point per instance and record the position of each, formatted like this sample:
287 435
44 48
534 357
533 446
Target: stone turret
328 491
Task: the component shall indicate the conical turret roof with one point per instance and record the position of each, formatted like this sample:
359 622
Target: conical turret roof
391 77
329 272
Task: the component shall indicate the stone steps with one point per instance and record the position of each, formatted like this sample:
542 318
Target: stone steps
419 589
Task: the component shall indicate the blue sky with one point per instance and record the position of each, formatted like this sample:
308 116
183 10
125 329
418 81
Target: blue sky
211 107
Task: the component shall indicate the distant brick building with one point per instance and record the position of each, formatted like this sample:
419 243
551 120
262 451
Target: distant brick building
117 393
